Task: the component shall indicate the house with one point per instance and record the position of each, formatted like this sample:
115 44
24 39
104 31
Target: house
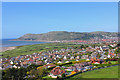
72 58
39 62
87 59
84 57
14 66
57 71
103 57
7 66
49 65
105 47
11 62
96 62
73 72
66 61
65 57
77 57
111 53
108 56
59 56
59 62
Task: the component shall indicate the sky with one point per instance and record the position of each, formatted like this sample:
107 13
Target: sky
19 18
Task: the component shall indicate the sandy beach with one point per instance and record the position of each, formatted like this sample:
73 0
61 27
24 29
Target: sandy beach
6 48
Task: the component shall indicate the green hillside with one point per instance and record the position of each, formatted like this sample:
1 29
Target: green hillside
64 35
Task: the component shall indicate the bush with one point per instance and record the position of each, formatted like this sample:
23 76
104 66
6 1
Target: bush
109 62
63 75
113 59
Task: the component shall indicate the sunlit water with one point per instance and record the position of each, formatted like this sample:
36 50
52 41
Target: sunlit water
9 43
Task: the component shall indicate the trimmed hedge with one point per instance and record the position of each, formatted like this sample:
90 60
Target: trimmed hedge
63 64
79 61
102 64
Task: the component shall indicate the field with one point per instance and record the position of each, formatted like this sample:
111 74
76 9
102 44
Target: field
111 72
29 49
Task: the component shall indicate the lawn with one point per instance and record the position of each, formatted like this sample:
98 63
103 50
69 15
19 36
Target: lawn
114 62
46 77
111 72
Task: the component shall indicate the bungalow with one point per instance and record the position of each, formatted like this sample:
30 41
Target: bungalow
72 58
84 57
65 57
59 62
66 61
78 57
39 62
11 62
96 62
59 56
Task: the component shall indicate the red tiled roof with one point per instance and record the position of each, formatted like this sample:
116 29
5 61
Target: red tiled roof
51 65
57 71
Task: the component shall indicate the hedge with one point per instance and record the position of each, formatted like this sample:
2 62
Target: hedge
79 61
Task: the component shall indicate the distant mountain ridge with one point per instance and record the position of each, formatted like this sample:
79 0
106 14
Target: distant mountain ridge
64 35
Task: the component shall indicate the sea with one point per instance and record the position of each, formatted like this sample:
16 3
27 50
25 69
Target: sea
10 43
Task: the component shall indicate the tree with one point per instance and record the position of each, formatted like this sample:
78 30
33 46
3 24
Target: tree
33 73
117 51
32 66
42 72
109 62
3 73
22 72
8 56
106 53
14 73
63 75
82 46
101 62
11 73
58 77
39 73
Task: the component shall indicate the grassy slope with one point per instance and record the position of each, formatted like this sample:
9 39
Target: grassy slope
111 72
64 35
29 49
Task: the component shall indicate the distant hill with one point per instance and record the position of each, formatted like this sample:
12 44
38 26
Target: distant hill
64 35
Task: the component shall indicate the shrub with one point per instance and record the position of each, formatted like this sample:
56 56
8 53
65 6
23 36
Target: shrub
63 75
109 62
113 59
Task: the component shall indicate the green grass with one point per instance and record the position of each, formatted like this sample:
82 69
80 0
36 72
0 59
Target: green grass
29 49
111 72
114 62
46 77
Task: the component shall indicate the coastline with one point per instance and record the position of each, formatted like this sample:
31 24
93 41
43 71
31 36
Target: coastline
35 40
3 49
